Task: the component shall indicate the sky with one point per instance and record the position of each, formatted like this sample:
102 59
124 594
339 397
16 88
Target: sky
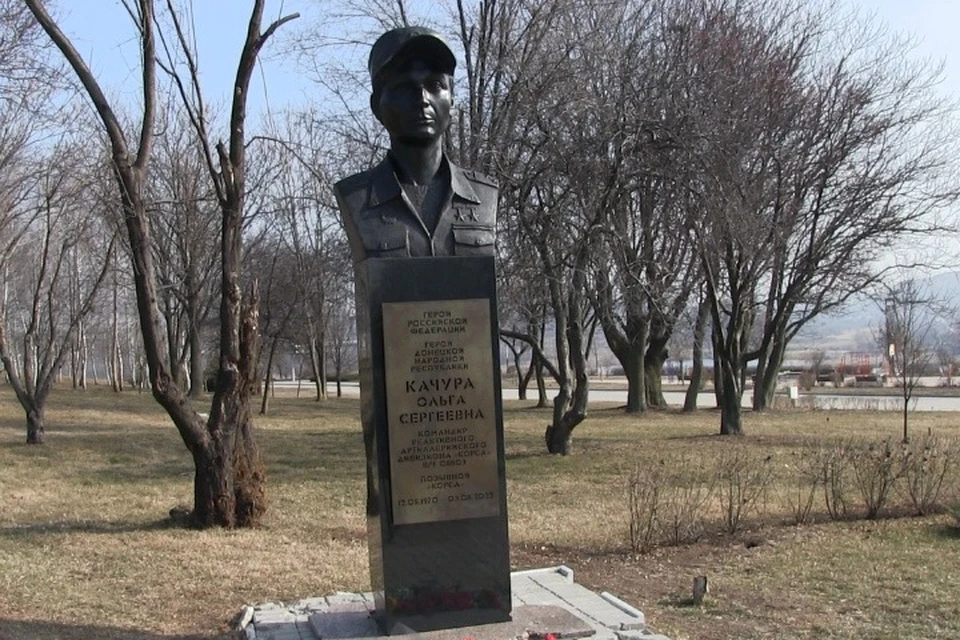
934 24
101 31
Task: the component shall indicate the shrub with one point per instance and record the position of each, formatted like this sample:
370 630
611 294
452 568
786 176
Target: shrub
833 460
742 479
684 508
927 462
645 488
876 469
955 512
667 501
800 488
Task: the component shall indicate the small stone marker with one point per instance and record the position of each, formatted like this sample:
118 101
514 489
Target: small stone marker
700 589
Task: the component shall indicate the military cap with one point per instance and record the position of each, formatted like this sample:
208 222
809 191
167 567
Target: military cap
426 41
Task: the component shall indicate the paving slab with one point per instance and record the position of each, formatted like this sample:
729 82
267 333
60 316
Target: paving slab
544 601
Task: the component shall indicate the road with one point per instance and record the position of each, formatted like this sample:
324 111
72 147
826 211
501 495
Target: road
707 400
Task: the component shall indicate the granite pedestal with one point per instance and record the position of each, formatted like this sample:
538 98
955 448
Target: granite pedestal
433 428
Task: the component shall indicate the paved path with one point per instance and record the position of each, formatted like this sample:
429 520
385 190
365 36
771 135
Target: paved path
708 400
538 596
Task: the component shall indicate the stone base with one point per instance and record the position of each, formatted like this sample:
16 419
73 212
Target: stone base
535 620
545 601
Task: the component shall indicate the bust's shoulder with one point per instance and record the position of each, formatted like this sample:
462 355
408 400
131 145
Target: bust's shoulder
354 183
476 177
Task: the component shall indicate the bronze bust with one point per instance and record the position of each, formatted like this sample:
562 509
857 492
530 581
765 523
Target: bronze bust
415 202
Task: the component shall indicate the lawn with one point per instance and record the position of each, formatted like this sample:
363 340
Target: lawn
87 550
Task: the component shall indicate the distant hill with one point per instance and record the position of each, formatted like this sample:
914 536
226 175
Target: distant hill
854 327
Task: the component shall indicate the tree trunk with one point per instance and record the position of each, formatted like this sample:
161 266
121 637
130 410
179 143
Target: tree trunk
522 378
524 381
268 379
173 339
318 380
229 476
731 393
339 373
696 376
322 359
717 370
559 435
906 417
83 356
116 361
197 364
78 357
768 370
695 383
34 425
632 362
542 400
729 369
653 363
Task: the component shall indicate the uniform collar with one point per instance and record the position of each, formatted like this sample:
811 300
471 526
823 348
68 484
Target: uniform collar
460 182
384 185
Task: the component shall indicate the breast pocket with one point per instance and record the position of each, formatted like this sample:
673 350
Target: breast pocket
473 240
389 242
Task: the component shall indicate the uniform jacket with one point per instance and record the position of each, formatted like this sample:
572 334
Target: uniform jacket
381 223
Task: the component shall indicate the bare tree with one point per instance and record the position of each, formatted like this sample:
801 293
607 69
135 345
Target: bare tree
910 316
647 270
523 119
524 309
43 312
228 481
186 231
310 231
817 149
278 304
947 356
870 160
735 74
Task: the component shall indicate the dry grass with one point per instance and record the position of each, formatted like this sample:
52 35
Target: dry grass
86 550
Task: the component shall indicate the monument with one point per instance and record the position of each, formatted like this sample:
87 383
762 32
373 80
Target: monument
421 232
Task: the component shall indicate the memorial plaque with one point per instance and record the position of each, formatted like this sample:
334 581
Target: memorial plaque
441 410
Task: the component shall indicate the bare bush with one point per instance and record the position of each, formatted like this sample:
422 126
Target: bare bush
742 480
876 469
684 511
927 462
955 512
646 486
805 477
667 501
834 463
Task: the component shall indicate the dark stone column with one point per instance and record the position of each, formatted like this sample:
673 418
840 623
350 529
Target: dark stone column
433 429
